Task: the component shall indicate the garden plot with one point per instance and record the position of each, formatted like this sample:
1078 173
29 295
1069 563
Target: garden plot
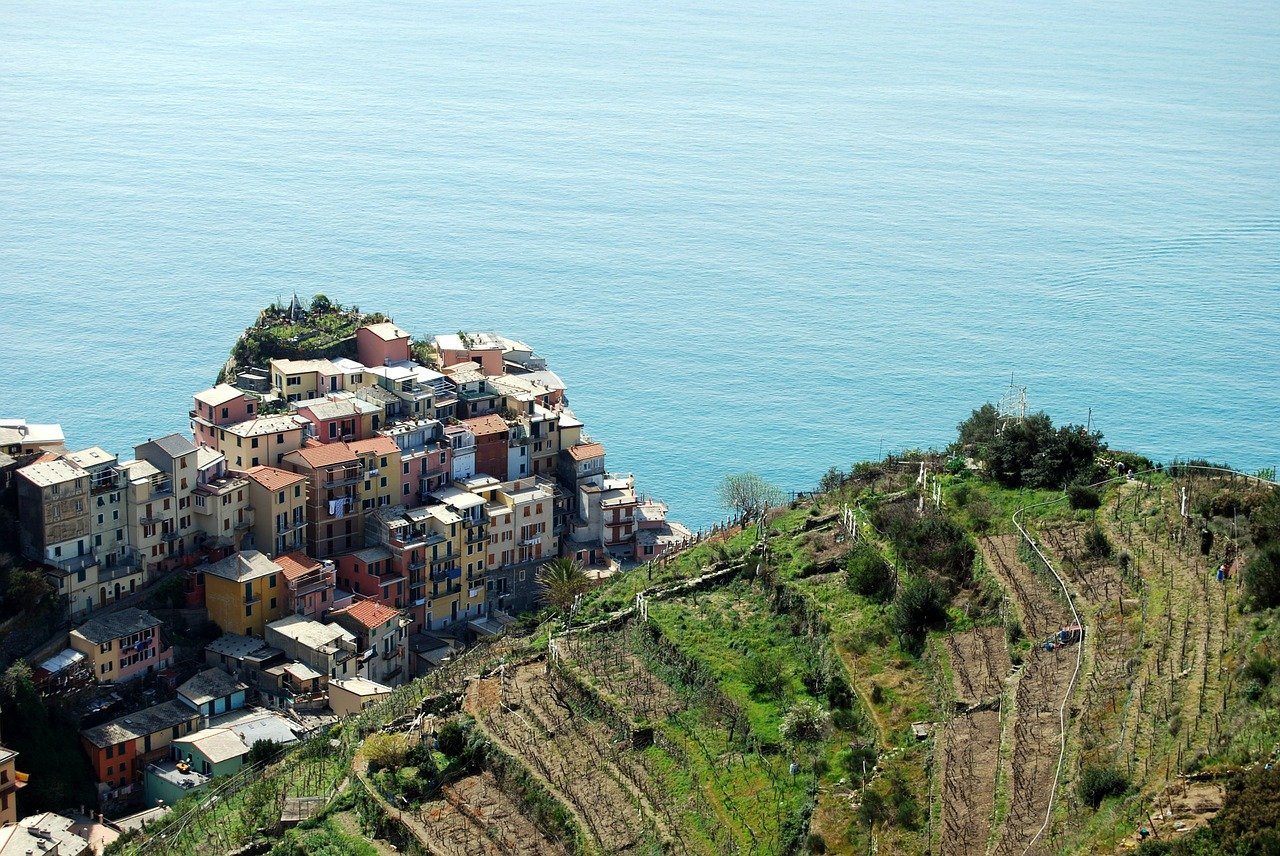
1042 688
477 816
979 664
970 759
608 659
582 762
970 741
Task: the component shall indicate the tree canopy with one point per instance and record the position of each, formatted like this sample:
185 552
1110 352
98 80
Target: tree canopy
1029 452
560 581
747 494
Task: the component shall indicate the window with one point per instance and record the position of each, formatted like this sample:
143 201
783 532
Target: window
253 444
226 412
333 430
297 491
384 481
248 613
273 603
111 751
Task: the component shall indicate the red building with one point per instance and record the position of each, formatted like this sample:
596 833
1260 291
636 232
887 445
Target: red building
491 445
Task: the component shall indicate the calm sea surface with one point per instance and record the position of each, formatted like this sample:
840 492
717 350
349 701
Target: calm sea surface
776 236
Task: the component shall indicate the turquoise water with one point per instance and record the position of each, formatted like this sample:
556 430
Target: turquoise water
764 235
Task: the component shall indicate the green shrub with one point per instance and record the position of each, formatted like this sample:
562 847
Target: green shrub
1083 498
1262 579
452 739
805 722
869 574
1097 543
918 607
765 673
1099 781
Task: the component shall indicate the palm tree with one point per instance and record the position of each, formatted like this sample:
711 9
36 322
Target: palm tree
560 581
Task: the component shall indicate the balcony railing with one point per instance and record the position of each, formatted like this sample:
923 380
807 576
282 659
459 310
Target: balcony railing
170 535
288 526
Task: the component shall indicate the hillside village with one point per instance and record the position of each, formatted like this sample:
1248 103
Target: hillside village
316 634
330 528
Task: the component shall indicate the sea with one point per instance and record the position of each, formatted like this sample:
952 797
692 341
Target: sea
768 236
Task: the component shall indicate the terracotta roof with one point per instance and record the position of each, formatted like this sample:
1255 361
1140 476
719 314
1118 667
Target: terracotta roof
369 613
486 425
585 451
272 478
374 445
327 454
386 331
296 564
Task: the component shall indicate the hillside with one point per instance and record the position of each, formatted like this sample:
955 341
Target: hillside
299 331
869 669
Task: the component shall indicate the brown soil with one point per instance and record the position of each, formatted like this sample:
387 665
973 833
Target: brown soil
970 759
979 664
1042 687
577 758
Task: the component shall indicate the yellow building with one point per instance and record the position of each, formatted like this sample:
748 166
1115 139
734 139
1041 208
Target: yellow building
221 500
279 499
244 592
299 380
261 442
9 785
381 461
122 645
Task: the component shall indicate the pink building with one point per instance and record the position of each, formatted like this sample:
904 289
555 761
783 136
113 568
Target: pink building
216 407
382 344
377 573
483 349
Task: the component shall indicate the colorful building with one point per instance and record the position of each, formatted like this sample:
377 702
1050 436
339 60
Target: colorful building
335 519
382 344
279 499
121 749
213 692
380 637
261 442
327 648
10 784
122 645
340 417
219 407
309 584
380 462
244 592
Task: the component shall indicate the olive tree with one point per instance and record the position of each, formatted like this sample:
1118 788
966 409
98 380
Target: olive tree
747 495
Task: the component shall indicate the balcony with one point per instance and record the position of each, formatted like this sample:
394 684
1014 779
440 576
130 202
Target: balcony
393 654
250 601
243 524
170 535
342 478
531 542
285 527
74 564
417 564
109 573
